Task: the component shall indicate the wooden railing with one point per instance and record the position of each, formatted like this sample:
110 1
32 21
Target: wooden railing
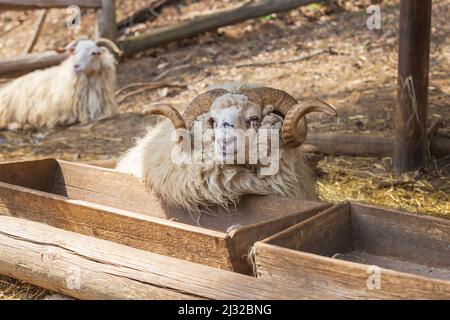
106 11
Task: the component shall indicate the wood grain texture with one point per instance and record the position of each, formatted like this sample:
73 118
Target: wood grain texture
395 263
418 239
345 279
139 231
111 188
22 64
244 238
326 233
368 145
89 268
406 247
185 29
38 175
118 207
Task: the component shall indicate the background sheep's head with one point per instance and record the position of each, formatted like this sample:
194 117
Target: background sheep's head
229 114
87 54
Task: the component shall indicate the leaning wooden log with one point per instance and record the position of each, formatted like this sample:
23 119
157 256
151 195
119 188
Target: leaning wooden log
87 268
367 145
36 31
161 36
149 13
22 64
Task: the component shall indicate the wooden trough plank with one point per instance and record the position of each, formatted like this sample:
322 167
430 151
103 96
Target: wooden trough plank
424 240
118 207
129 228
347 279
40 4
309 254
22 64
87 268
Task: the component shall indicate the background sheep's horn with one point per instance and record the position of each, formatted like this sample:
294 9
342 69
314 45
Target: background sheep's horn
103 42
201 104
70 47
169 112
292 136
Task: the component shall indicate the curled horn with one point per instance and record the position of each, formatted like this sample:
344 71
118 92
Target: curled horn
294 126
70 47
293 137
103 42
169 112
280 101
201 104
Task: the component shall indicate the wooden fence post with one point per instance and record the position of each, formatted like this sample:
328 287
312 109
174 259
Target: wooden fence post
106 20
410 146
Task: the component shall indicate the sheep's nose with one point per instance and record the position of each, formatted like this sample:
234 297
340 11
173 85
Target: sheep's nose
77 68
226 125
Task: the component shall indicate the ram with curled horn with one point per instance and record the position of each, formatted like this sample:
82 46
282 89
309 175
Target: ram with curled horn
248 140
79 90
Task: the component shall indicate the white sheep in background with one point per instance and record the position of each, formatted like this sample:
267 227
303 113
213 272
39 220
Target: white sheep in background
80 89
199 185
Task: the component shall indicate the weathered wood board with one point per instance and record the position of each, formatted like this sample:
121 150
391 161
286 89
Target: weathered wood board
361 252
113 206
84 267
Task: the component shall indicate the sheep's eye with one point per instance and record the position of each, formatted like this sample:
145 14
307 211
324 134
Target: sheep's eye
96 53
211 121
254 121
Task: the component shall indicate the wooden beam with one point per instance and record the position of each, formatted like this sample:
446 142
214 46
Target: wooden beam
410 149
148 13
106 26
367 145
41 4
41 15
87 268
161 36
22 64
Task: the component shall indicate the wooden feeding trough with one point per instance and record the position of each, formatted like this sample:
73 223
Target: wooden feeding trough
113 206
359 251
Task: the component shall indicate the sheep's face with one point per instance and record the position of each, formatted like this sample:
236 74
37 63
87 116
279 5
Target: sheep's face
232 116
86 57
251 127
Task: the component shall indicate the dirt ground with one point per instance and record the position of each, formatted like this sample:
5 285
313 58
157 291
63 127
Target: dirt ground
338 59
